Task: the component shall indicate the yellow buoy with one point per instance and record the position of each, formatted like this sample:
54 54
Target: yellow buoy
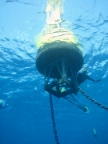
59 56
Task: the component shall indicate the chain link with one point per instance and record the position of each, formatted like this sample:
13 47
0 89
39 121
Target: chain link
93 100
53 119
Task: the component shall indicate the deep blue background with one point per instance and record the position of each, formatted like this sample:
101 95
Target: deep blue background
28 118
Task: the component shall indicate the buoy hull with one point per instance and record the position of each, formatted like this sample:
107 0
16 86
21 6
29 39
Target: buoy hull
53 52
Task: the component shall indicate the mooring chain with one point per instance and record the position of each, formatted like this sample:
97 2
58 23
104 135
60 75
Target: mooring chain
53 120
93 100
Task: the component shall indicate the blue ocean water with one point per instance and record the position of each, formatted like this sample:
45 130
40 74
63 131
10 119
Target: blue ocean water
27 120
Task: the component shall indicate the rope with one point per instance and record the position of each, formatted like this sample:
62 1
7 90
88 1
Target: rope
73 100
53 119
93 100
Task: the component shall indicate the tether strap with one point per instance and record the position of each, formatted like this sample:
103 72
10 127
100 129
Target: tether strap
73 100
53 119
93 100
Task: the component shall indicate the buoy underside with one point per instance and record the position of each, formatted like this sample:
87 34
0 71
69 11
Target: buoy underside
53 52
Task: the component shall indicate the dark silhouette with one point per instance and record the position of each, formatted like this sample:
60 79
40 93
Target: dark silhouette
56 87
82 76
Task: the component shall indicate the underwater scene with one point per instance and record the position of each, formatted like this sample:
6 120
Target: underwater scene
53 72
